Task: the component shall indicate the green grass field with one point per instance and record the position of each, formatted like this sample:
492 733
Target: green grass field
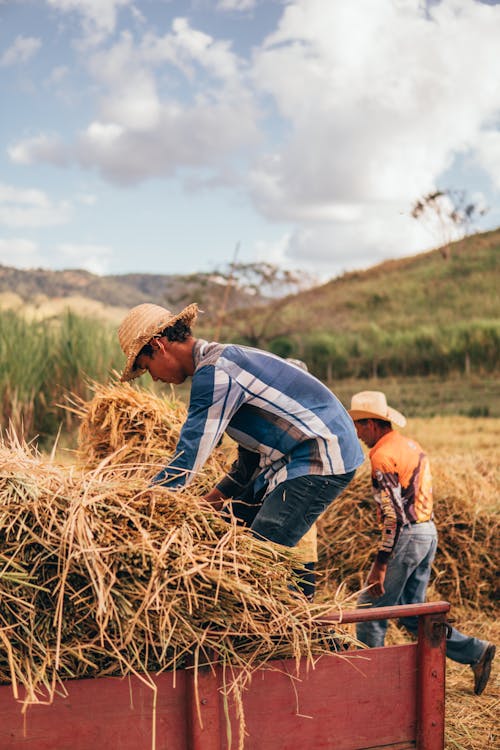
470 396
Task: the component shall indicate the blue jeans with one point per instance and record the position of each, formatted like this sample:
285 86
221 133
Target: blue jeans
406 581
294 505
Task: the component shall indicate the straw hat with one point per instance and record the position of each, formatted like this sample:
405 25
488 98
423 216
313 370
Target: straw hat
373 405
141 324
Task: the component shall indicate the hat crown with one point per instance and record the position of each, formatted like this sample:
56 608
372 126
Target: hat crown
373 405
374 401
139 322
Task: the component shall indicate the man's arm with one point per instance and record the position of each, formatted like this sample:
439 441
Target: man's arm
214 399
241 473
387 492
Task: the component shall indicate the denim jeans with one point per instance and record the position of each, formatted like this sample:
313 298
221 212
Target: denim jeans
406 580
294 505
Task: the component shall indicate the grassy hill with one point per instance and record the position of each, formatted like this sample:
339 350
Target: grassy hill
428 326
396 295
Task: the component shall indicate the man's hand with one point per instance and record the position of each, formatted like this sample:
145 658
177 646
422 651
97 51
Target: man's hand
376 578
215 498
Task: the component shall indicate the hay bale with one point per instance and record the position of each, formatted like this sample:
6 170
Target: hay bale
127 426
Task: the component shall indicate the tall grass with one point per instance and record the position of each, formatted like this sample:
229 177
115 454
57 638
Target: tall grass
42 360
463 347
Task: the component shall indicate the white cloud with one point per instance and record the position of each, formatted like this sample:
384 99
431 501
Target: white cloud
488 155
375 101
90 257
31 208
20 253
87 199
98 16
22 50
40 148
236 4
137 134
378 100
129 95
58 74
330 248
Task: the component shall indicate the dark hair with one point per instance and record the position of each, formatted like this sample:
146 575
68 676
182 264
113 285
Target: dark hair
179 331
379 422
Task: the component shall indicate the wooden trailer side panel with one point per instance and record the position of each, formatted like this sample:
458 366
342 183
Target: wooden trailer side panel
344 703
101 714
377 699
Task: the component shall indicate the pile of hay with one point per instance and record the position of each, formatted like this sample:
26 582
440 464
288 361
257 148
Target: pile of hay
468 556
135 430
101 575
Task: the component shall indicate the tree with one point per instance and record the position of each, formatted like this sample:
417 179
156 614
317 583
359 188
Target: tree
448 215
271 288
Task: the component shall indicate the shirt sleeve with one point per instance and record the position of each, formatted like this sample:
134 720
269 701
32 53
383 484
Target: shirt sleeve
387 494
241 473
214 399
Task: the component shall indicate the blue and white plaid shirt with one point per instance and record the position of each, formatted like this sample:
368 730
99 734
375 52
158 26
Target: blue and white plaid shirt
268 406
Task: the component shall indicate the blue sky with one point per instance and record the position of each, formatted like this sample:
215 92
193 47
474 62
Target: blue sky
153 136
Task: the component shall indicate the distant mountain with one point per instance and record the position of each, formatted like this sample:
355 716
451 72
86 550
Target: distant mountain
36 288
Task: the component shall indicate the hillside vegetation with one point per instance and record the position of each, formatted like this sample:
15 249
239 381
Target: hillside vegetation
419 315
420 290
42 293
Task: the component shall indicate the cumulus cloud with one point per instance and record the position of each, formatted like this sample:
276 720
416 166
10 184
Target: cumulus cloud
374 115
138 134
22 50
98 16
40 148
236 4
488 154
31 208
379 99
332 247
357 108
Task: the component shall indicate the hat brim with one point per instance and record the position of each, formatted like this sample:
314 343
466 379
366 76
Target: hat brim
130 372
392 416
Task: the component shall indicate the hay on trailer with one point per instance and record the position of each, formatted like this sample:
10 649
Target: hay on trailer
126 425
102 575
468 556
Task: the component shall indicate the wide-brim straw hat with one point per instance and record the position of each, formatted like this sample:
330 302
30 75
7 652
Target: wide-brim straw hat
141 324
373 405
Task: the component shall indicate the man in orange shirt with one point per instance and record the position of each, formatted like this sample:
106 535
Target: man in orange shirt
402 486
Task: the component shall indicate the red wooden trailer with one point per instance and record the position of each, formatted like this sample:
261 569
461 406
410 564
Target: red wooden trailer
388 698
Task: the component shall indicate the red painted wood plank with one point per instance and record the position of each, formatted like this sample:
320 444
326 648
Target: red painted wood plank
344 703
386 613
366 700
107 713
203 710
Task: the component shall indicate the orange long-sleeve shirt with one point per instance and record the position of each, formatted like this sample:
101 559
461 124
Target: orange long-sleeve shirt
402 486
